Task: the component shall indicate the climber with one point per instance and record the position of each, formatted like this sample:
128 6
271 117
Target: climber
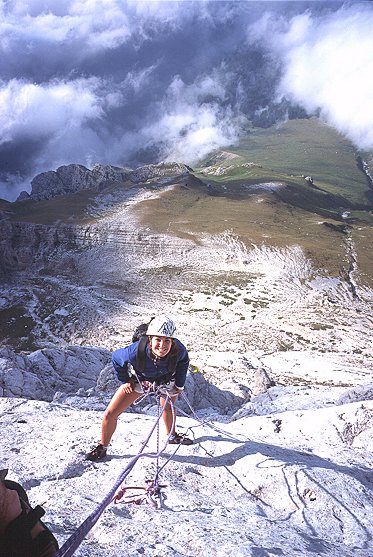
158 357
22 534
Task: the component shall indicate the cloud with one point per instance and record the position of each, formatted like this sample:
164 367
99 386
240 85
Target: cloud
102 81
125 82
52 123
39 110
193 120
95 24
328 66
44 125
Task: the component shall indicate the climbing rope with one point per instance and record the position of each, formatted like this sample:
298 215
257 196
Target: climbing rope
151 491
72 543
208 423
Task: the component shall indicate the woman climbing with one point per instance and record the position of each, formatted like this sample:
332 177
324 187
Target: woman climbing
157 357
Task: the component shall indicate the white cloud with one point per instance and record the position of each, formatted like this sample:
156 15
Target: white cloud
328 65
66 116
99 24
95 24
42 110
96 80
191 121
136 80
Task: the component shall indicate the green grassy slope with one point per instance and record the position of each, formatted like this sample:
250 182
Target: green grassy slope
295 213
295 149
67 209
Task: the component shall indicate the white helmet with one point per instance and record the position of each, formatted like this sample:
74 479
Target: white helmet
161 326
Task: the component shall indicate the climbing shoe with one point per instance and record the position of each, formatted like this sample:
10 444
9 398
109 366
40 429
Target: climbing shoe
98 453
180 439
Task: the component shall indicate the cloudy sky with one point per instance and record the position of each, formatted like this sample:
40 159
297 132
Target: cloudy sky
128 82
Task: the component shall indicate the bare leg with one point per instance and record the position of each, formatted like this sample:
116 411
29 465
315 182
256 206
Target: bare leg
118 404
169 414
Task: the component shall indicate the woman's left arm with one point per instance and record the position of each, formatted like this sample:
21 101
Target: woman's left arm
181 367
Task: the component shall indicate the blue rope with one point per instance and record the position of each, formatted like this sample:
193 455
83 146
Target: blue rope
72 543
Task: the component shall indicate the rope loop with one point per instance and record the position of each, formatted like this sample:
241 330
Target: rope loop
151 494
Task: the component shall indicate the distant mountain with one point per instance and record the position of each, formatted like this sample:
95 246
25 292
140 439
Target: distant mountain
73 178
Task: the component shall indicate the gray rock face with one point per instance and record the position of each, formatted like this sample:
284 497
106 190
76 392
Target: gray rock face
161 169
251 488
23 196
278 399
362 392
47 184
262 382
62 374
72 178
42 373
23 244
84 377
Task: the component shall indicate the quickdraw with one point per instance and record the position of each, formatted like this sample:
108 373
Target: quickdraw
151 494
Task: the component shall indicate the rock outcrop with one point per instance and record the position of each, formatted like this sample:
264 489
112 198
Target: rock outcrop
72 178
297 485
22 244
62 374
42 373
75 177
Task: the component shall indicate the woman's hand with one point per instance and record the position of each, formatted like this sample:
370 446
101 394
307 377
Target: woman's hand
128 388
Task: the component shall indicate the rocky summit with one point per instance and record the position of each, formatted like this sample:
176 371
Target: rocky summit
273 300
72 178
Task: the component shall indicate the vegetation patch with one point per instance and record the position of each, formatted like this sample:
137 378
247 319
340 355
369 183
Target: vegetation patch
300 148
320 326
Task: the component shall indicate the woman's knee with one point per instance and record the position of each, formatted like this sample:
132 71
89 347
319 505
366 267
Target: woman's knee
110 415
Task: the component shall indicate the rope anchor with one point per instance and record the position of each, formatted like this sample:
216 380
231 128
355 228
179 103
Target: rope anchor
151 494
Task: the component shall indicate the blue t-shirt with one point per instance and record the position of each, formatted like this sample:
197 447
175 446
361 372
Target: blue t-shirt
154 368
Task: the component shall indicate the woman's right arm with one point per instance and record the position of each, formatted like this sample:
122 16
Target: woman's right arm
121 359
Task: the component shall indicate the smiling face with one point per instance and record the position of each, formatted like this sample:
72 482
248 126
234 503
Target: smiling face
160 346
